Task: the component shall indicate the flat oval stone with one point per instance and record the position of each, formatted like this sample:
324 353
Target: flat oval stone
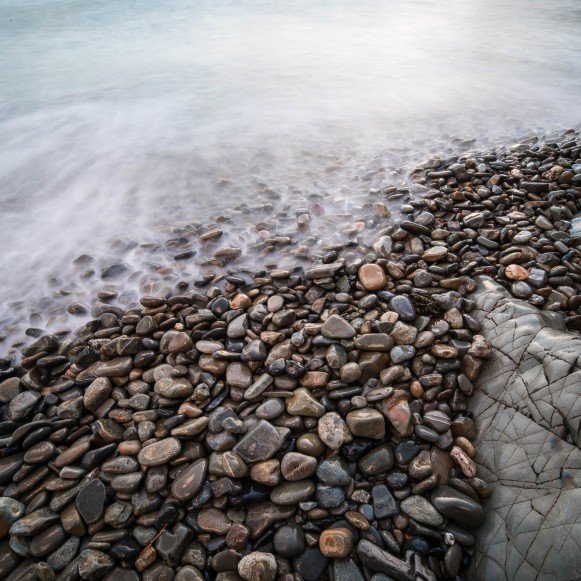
173 388
418 508
403 306
34 522
117 367
47 541
289 541
333 430
457 506
372 277
97 392
297 466
160 452
190 480
91 501
289 493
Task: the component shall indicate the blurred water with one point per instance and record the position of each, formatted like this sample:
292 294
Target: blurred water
118 119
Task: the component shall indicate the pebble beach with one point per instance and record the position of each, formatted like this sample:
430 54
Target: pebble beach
306 420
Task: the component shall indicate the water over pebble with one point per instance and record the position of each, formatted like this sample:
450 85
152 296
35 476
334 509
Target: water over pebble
291 420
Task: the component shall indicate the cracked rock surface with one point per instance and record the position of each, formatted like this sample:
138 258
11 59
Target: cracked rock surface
527 409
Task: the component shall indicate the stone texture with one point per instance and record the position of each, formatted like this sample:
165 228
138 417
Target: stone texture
528 413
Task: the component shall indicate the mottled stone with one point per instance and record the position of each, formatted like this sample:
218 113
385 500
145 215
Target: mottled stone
336 543
257 565
377 461
302 403
333 430
297 466
366 423
418 508
159 452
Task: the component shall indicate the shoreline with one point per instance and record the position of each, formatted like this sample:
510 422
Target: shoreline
343 209
314 414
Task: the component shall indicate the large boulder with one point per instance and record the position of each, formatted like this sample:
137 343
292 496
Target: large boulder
528 411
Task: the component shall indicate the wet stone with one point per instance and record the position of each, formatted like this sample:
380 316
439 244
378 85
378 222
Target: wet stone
190 480
406 451
91 501
159 452
335 327
261 442
366 423
334 472
403 306
372 277
296 466
384 504
457 506
22 404
289 541
418 508
117 367
47 541
377 461
336 542
291 493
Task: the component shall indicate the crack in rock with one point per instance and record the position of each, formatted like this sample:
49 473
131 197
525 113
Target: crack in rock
527 409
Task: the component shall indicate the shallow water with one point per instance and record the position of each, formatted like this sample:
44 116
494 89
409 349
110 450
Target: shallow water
119 120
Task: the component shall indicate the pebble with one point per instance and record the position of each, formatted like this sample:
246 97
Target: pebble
290 493
261 442
333 430
366 423
516 272
190 480
334 472
297 466
384 504
457 506
336 543
377 461
289 541
372 277
335 327
418 508
91 501
160 452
